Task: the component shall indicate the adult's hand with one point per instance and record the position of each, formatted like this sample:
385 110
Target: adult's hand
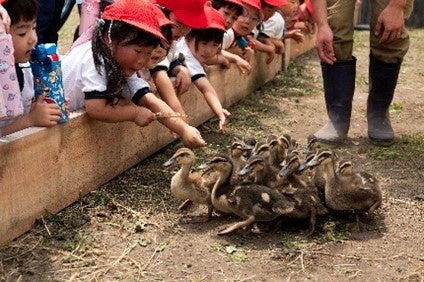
390 24
324 44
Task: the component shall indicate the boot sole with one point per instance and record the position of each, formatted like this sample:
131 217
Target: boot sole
381 142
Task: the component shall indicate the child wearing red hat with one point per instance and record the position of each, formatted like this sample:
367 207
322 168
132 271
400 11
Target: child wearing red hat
230 11
185 15
236 39
269 40
101 75
199 47
22 30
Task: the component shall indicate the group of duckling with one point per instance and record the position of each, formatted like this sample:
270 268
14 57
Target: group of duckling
261 181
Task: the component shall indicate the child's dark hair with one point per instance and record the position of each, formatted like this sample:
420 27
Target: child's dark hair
218 4
120 33
25 10
206 34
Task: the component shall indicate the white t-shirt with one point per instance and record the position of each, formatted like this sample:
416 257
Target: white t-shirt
80 77
273 27
193 65
228 39
171 56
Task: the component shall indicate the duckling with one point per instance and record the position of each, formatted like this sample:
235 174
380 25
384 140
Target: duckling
221 168
303 193
344 168
249 143
257 170
362 194
236 152
279 147
187 185
254 203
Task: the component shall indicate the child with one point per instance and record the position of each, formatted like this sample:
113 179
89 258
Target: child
185 15
272 31
22 29
100 75
236 39
199 46
230 10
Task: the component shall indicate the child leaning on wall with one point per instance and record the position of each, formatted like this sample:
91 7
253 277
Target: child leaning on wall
236 39
269 33
185 15
230 10
101 75
22 29
198 47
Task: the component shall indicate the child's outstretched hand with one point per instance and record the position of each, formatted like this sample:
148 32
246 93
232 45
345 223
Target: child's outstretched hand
223 121
243 65
144 116
192 137
182 80
43 113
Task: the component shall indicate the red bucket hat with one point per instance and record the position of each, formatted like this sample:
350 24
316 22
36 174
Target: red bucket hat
237 2
138 13
276 3
190 12
162 19
216 20
254 3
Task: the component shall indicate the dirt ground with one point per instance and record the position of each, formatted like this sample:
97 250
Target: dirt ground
130 229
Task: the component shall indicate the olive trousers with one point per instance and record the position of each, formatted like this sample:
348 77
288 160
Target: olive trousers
340 18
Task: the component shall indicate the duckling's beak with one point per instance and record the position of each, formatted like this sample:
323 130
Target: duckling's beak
245 170
169 162
313 162
302 167
283 171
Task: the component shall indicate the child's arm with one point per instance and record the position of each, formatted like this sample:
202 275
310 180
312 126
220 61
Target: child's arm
41 114
241 63
124 110
295 34
191 136
212 99
265 45
279 45
182 78
166 91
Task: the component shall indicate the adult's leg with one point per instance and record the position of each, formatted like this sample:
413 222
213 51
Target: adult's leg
339 78
384 67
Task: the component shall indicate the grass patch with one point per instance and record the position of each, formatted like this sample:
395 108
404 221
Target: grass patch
409 148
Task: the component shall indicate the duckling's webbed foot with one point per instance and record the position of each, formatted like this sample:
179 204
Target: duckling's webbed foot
236 226
186 205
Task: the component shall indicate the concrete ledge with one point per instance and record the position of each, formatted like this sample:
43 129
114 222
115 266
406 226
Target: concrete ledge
48 169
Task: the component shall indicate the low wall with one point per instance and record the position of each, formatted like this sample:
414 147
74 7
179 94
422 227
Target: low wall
47 169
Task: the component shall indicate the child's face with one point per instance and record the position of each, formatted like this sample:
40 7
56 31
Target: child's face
132 58
205 51
157 56
247 21
180 30
290 9
268 11
24 39
230 16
